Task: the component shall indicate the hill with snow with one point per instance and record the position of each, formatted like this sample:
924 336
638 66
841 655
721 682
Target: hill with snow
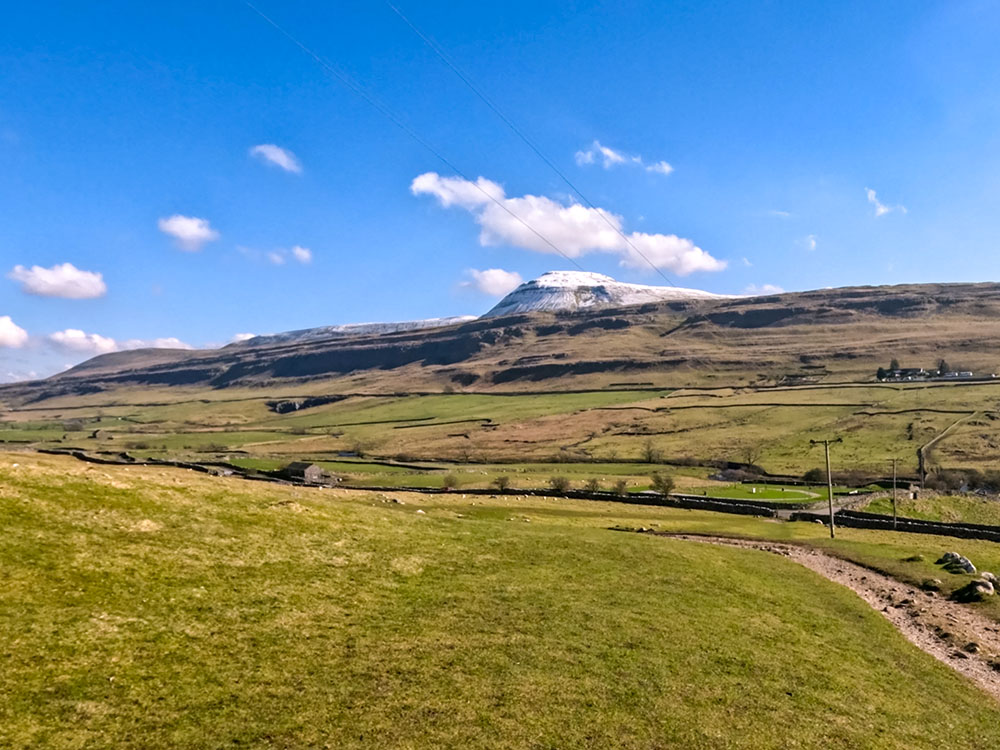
580 290
350 329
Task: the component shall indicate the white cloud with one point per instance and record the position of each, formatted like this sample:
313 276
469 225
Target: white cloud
763 290
880 208
62 280
75 340
779 214
809 242
661 167
242 337
12 336
609 158
747 263
280 256
495 282
189 231
574 229
279 157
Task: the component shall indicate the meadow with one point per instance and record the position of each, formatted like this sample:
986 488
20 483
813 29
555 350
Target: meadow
154 608
956 425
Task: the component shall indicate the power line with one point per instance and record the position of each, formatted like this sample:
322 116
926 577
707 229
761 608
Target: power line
520 134
331 70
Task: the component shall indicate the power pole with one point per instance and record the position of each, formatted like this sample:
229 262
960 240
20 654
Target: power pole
894 493
829 477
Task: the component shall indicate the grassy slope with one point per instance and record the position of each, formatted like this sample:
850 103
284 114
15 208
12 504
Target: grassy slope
968 509
875 422
158 608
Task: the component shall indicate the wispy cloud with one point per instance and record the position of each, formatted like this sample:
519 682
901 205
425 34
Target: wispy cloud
809 242
277 156
78 342
779 214
763 290
62 280
190 232
882 209
280 256
12 336
747 263
574 229
495 282
242 337
609 157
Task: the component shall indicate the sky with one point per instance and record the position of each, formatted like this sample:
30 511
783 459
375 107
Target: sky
187 173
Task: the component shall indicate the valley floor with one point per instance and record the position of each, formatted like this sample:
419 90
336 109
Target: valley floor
152 607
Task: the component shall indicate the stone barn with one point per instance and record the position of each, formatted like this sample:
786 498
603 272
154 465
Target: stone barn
303 471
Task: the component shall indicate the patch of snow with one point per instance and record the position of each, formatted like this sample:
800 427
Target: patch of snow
577 290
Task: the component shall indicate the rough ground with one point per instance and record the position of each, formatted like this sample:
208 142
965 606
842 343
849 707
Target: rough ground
949 631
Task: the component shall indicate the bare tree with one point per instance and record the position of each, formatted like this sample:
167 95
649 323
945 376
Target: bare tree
650 453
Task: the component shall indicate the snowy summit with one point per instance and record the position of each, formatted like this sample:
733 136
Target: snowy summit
576 290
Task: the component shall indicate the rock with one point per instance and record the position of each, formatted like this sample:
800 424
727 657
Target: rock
987 576
398 501
966 564
974 591
947 557
931 584
421 512
971 647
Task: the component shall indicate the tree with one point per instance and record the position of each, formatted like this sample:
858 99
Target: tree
894 365
621 487
592 485
880 374
943 367
814 476
750 454
501 482
449 482
559 484
650 453
662 483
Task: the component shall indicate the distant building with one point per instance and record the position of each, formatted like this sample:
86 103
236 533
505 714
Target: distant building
303 471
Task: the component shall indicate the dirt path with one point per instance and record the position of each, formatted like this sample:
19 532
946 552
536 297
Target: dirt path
951 632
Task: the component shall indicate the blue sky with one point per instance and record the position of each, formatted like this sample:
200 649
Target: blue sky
775 119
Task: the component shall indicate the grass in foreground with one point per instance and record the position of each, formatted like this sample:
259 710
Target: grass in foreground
159 608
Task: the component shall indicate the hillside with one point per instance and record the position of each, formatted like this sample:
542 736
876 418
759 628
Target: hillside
157 608
817 336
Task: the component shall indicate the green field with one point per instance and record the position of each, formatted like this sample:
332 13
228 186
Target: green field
148 607
772 425
968 508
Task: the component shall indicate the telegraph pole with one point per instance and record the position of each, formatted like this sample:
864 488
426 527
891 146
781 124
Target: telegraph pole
894 493
829 477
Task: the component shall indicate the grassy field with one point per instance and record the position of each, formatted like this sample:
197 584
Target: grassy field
966 508
774 425
159 608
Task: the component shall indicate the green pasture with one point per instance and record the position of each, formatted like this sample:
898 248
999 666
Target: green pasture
158 608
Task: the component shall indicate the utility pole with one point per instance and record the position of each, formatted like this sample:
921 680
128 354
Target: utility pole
829 477
894 493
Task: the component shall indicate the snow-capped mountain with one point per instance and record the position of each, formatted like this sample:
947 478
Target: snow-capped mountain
555 290
351 329
575 290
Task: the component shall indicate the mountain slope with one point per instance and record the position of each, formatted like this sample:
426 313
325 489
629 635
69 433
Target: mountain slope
819 336
350 329
579 290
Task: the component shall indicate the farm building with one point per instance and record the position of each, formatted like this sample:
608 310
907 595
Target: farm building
304 471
